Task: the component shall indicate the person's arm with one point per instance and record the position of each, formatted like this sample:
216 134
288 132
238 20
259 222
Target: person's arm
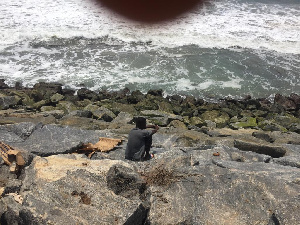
155 128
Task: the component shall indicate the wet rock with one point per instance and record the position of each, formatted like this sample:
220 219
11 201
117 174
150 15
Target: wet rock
135 97
146 104
285 102
121 95
189 102
43 91
274 151
252 104
295 98
158 93
104 94
175 99
84 93
68 92
3 85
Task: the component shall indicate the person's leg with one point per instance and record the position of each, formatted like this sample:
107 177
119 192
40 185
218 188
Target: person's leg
148 143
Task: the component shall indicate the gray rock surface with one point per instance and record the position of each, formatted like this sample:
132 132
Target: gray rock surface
7 101
189 181
220 191
74 190
52 140
274 151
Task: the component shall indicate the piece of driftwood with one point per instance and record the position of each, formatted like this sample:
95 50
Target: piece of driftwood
11 157
103 145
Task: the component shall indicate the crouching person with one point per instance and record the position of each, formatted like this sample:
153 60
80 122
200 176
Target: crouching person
140 141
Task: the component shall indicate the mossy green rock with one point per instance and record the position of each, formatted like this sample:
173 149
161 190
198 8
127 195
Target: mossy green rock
120 107
39 104
47 108
286 120
83 103
177 124
268 125
246 113
159 117
165 106
146 104
197 121
246 122
208 107
25 98
220 118
66 106
231 112
101 112
56 98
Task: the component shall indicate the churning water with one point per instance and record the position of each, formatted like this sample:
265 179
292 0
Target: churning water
223 48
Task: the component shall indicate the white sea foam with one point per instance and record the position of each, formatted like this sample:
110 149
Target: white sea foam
222 25
227 48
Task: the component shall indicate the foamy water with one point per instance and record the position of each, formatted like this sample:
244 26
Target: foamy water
232 47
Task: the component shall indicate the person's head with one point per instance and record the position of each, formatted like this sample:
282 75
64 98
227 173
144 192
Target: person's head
140 122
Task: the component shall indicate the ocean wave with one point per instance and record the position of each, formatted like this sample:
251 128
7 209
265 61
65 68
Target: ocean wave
220 24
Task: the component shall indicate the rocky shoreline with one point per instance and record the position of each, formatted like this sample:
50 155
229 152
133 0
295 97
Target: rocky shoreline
254 178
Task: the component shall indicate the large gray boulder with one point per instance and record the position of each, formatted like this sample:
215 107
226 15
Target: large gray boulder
75 190
52 140
218 190
101 112
8 101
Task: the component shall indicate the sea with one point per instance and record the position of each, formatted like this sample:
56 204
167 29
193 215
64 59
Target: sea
221 48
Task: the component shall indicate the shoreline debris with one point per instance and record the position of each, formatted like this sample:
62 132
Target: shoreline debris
103 145
12 157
